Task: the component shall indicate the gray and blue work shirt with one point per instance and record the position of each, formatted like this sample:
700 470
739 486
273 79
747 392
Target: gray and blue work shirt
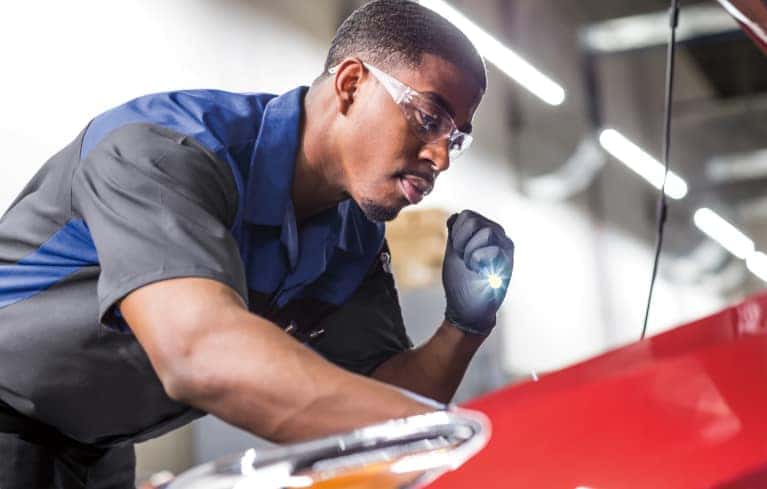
180 184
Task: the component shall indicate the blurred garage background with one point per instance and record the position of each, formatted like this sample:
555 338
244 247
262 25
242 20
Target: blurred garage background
556 172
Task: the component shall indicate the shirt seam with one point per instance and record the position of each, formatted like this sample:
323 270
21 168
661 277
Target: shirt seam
129 284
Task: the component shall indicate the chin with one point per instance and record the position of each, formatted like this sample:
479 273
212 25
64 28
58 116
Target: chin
377 212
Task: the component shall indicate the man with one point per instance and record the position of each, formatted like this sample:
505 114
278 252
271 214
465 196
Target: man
152 268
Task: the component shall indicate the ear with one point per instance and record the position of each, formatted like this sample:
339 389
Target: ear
348 76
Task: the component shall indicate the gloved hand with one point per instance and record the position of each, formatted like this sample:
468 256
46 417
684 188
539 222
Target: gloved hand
478 256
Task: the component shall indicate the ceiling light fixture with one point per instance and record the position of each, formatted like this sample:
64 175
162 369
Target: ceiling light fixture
757 264
641 163
512 64
724 233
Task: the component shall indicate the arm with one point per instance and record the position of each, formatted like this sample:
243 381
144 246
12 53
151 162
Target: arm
159 208
476 248
210 352
434 369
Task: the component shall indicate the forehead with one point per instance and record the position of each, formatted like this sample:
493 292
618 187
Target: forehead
446 84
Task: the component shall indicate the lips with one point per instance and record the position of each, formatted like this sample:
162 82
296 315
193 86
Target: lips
414 187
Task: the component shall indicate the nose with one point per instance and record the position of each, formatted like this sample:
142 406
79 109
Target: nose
438 153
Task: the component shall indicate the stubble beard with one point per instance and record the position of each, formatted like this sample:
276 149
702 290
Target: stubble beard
377 212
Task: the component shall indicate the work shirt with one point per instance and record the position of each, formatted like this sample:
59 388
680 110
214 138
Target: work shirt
181 184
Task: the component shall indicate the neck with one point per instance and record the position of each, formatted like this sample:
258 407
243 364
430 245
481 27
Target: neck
317 183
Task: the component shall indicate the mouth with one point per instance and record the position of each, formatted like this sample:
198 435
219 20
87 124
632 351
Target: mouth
415 187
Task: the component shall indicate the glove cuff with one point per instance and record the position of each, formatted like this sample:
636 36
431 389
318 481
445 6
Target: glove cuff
477 328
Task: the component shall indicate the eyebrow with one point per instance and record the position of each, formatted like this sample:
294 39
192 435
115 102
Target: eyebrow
439 99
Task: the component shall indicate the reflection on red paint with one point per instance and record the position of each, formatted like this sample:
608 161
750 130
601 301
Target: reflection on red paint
684 409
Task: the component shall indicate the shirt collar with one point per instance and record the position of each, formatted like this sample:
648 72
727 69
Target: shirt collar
270 177
351 227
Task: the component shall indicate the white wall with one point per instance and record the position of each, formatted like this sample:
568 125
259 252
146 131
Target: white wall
65 62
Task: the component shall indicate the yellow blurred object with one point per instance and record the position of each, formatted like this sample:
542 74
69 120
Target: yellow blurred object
373 476
417 242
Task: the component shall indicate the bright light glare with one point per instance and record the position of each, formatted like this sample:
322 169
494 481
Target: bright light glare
723 233
277 475
494 281
757 264
299 481
501 56
424 461
247 461
642 163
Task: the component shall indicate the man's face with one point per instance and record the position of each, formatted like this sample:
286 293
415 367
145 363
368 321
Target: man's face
387 166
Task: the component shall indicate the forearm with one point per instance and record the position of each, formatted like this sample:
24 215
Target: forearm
434 369
264 381
211 353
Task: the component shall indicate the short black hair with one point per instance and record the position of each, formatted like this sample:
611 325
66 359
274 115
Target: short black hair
389 33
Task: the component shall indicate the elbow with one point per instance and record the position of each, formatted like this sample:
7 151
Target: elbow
190 387
182 388
184 380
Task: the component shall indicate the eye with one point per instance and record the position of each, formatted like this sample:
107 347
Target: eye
428 122
456 144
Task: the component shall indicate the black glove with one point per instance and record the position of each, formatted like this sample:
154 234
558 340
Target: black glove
476 271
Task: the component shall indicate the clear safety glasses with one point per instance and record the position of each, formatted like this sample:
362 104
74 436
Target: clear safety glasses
429 120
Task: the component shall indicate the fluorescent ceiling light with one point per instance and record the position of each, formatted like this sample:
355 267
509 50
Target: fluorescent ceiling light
724 233
504 58
642 163
757 263
650 30
737 167
732 239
